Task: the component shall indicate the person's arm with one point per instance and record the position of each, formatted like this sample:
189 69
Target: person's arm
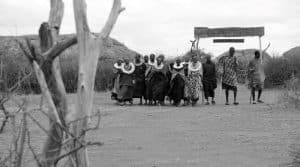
235 65
214 70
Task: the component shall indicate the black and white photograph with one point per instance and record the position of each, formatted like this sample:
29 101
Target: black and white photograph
149 83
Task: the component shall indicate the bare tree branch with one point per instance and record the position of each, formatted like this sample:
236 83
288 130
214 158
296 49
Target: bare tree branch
55 17
112 19
44 87
24 50
81 22
39 164
59 47
76 149
23 138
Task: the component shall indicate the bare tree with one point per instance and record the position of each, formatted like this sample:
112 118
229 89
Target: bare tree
90 48
47 69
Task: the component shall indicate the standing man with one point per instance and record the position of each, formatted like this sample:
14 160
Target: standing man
209 80
256 77
229 76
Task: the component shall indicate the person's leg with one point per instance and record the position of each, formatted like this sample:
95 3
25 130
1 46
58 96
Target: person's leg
253 95
259 95
227 96
235 96
141 101
213 96
206 96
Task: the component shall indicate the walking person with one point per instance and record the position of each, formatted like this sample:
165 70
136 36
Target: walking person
209 80
177 83
158 83
116 79
139 77
126 83
256 77
229 75
194 80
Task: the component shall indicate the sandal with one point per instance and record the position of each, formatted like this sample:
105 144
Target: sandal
260 101
236 103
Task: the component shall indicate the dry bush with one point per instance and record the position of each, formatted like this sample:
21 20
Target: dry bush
291 94
278 71
17 65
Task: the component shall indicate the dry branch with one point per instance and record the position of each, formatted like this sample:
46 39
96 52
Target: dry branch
90 48
112 19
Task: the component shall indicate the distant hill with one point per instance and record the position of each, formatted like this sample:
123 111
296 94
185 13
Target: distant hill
293 56
294 52
113 48
16 65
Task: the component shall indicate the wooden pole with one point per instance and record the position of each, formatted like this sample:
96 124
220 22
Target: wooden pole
260 50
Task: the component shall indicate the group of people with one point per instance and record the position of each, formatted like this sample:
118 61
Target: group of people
154 81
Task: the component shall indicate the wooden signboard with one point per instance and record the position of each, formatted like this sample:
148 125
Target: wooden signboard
205 32
228 40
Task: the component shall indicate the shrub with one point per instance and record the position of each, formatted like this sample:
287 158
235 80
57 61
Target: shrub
278 70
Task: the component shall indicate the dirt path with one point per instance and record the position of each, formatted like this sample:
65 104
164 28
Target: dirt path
212 136
244 135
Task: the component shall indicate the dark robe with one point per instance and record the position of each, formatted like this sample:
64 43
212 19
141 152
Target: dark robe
177 84
158 84
209 79
139 77
126 87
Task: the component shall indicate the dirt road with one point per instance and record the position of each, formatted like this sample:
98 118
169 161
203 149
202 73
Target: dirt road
211 136
245 135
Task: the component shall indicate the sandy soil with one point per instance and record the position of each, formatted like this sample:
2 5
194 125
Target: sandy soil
234 136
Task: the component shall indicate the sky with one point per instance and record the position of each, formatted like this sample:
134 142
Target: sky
166 26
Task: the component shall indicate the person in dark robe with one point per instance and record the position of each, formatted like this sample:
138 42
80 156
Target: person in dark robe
146 62
116 79
229 75
126 83
209 80
149 63
169 76
256 77
177 81
158 83
139 77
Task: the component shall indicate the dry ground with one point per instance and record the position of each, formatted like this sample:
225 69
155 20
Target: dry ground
234 136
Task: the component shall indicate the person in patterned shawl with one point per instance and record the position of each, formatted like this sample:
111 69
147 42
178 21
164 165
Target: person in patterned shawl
256 77
177 81
194 80
139 77
229 75
126 83
209 80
